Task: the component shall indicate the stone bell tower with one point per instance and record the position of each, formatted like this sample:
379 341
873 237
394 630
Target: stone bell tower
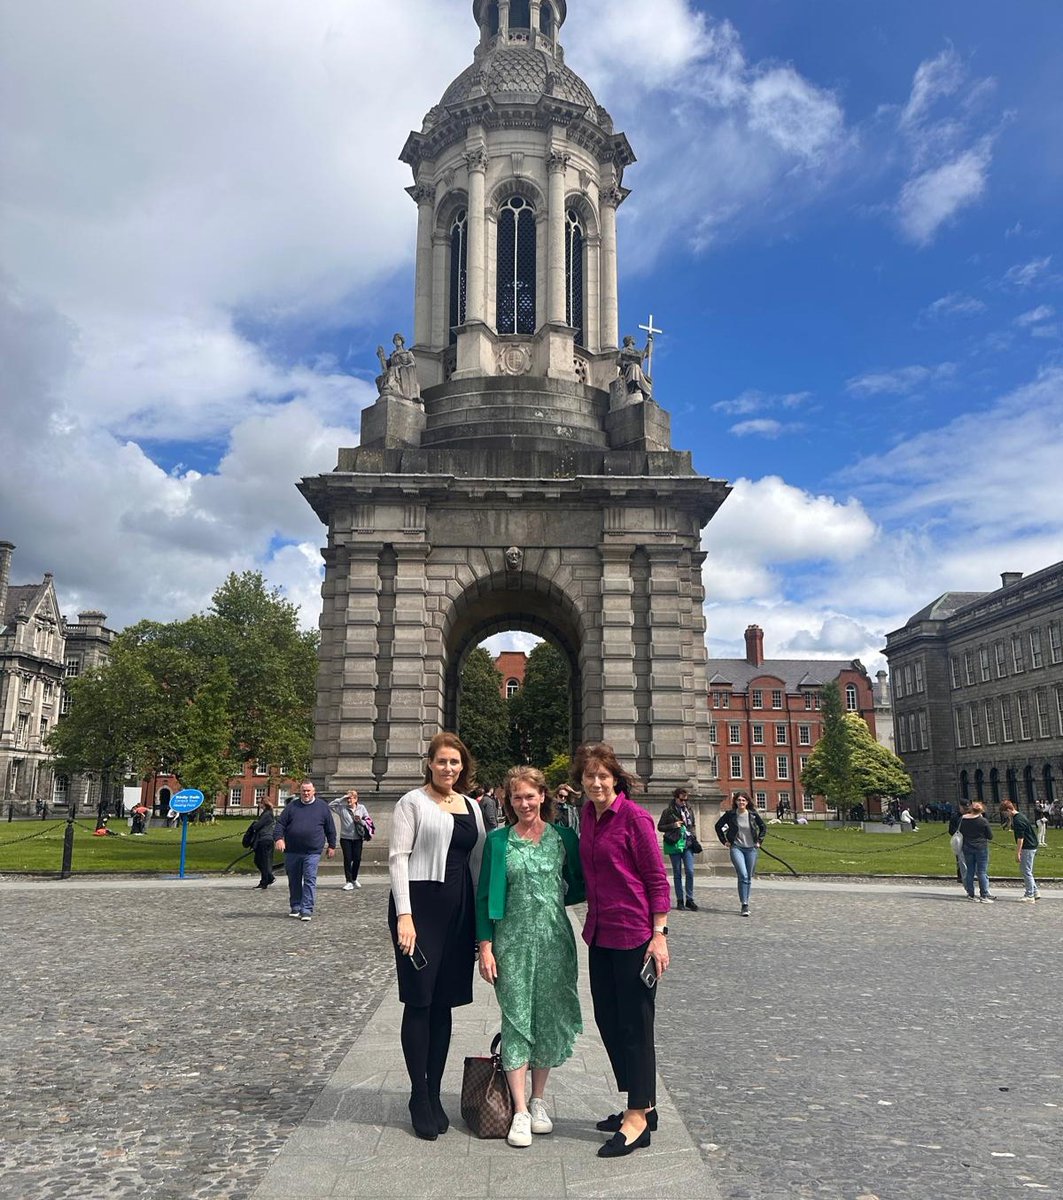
516 471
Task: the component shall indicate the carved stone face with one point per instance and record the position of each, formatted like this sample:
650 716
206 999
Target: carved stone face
514 558
400 341
629 340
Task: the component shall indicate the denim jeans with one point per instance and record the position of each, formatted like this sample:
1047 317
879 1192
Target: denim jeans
976 866
1026 858
744 859
679 861
301 870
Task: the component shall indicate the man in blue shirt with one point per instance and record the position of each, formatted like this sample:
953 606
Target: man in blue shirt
303 830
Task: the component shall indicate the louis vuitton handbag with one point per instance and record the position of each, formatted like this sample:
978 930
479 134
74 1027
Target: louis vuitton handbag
486 1104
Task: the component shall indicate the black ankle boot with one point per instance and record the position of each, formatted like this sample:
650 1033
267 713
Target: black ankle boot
439 1112
423 1117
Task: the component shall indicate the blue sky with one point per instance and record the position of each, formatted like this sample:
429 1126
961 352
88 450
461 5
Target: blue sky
845 216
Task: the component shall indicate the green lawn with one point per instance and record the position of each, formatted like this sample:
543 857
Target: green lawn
38 846
816 849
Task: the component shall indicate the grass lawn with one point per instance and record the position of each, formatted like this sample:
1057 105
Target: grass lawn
817 850
38 846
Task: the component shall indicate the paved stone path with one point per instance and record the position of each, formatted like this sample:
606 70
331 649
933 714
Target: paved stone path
850 1042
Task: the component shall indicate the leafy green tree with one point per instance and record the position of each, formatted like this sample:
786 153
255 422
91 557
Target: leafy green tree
484 724
876 769
540 711
558 771
205 763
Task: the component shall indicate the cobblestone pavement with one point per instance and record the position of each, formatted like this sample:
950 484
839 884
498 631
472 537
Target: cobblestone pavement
850 1042
163 1040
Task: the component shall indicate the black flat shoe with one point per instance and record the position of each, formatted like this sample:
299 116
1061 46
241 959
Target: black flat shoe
440 1114
612 1124
691 906
423 1118
617 1146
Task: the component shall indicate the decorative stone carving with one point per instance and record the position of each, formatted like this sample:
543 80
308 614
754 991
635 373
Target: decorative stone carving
476 160
580 367
423 193
517 158
612 196
558 161
514 560
399 377
514 360
629 366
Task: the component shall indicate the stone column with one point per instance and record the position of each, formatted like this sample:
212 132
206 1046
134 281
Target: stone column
503 18
671 676
406 729
618 653
592 298
556 308
424 197
440 292
535 6
610 330
477 289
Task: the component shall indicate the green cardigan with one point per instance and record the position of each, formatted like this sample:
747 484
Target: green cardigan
491 893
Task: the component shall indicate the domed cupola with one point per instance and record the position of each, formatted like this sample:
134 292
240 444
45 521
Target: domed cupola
518 175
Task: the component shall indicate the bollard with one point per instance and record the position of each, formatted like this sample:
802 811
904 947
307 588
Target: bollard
10 813
68 847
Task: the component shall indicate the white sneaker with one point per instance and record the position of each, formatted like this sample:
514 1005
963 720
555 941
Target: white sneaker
295 913
357 884
348 887
520 1130
540 1118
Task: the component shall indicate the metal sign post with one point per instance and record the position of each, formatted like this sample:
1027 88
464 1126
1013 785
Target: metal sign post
185 802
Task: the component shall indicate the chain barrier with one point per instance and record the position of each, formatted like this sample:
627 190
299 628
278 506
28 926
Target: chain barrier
47 831
862 853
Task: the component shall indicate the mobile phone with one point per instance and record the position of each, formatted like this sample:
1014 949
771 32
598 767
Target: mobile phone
417 958
648 974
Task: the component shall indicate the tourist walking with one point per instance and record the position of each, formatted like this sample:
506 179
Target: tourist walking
302 832
977 833
742 830
1026 843
353 817
437 838
1042 830
680 836
627 932
531 871
262 838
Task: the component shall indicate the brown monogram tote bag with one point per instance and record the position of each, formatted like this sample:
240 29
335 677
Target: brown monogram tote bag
486 1105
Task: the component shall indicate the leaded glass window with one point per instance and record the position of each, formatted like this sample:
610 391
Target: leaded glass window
516 266
574 240
459 265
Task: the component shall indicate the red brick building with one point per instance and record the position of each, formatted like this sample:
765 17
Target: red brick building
765 719
243 793
511 664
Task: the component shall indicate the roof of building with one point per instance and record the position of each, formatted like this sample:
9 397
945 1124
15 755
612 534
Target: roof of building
945 606
795 673
519 72
18 594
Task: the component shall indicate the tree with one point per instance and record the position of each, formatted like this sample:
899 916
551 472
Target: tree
484 724
205 763
540 711
851 765
558 771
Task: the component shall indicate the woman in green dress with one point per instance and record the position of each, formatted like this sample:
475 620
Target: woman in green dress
530 872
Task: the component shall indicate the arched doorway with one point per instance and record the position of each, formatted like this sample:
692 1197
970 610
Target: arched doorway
496 605
162 802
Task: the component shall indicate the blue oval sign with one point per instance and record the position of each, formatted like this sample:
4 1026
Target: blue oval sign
186 801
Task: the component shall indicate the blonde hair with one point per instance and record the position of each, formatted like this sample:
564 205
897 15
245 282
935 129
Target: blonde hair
534 777
977 806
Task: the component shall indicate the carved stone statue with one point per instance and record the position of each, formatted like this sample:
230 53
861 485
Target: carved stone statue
399 376
631 359
514 559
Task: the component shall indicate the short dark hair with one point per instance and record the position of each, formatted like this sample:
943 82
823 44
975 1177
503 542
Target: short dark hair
680 792
451 741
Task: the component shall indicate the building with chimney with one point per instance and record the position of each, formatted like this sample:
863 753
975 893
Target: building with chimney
38 651
766 718
978 693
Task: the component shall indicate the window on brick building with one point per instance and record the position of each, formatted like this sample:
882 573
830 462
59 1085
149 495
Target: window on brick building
784 797
782 767
714 733
1023 701
760 799
760 770
260 794
1037 658
852 700
236 797
72 669
808 804
758 735
990 723
512 688
983 663
758 698
734 735
804 735
808 701
1017 659
22 729
776 698
1041 704
780 733
736 766
1005 719
1000 653
261 767
804 762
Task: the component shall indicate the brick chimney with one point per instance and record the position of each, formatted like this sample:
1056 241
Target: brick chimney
6 550
755 645
1007 578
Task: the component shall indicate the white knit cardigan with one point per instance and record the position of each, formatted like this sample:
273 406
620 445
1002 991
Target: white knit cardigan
420 838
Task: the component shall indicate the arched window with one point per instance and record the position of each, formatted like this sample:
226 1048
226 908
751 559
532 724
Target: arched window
851 698
1050 785
459 264
516 266
512 688
979 785
1027 779
994 785
520 14
965 789
1012 783
546 20
574 241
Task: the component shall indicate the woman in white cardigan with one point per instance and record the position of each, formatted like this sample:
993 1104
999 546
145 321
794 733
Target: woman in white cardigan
437 838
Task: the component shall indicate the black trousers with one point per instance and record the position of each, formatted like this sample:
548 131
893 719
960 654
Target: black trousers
352 857
264 862
623 1011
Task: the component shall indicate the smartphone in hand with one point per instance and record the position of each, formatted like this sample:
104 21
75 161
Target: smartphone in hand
417 958
648 974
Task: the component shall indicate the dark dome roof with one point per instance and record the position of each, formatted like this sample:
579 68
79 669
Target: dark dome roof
510 71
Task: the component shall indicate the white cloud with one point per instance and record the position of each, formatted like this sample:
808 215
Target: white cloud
902 381
763 427
936 79
1044 312
754 401
1024 275
955 304
933 198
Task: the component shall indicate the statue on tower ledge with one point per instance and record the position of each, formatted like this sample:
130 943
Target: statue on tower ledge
399 376
631 360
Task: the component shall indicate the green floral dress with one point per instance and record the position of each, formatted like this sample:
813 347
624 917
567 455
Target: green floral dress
536 954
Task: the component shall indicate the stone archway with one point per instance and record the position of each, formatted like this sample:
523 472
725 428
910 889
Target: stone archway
498 605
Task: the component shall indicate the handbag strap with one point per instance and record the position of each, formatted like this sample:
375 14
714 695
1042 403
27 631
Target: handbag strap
496 1045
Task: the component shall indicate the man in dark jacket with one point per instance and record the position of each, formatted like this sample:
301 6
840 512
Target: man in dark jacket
302 831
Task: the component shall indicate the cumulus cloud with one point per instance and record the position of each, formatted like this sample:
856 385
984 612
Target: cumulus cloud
931 199
902 381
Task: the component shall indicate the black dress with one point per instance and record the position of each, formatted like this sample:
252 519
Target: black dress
444 915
